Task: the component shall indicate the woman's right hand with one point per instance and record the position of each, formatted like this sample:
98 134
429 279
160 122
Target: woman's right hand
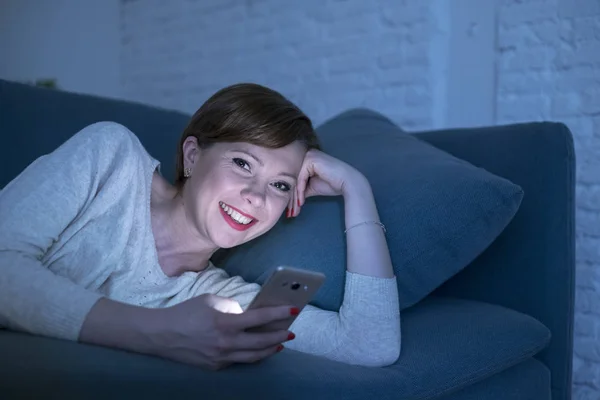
209 331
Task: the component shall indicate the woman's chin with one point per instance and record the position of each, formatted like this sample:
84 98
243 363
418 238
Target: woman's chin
227 238
229 242
228 245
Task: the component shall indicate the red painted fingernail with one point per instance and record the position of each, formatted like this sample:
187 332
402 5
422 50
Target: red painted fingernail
279 348
298 202
291 336
294 311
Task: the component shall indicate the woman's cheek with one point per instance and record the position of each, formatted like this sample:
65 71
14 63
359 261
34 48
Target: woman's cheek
278 203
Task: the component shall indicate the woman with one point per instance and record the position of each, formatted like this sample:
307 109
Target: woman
96 246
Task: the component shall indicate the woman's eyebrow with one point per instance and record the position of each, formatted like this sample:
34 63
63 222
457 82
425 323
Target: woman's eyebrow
291 176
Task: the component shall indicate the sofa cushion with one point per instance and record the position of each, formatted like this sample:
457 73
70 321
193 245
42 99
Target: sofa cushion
528 380
448 345
440 213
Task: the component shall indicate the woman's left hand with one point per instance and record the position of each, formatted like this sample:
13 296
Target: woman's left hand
323 175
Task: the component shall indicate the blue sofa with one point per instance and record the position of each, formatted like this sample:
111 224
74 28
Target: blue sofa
500 329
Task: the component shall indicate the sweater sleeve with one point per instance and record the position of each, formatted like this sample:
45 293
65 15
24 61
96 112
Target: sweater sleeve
35 208
365 331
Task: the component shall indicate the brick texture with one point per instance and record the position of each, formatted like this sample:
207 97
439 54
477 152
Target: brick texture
548 68
330 55
325 55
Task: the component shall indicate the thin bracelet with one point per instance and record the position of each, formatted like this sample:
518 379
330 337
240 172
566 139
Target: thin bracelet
367 222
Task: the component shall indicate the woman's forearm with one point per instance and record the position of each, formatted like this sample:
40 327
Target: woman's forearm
118 325
366 246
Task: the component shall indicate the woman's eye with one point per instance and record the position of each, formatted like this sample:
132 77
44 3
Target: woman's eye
284 187
240 162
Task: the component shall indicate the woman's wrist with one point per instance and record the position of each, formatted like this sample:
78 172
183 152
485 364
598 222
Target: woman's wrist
359 203
366 246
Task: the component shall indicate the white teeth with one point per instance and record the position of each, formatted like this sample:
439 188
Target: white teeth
236 216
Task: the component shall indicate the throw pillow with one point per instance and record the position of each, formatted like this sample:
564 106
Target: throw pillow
440 213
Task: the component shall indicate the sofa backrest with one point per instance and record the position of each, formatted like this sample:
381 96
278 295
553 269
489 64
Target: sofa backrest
34 121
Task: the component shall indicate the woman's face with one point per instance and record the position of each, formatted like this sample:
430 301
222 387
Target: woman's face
238 191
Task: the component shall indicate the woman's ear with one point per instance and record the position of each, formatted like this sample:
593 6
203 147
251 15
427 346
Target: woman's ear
191 151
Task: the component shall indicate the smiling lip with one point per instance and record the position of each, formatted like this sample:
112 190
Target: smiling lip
235 225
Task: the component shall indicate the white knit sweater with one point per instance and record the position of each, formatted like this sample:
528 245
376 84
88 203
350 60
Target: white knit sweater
75 226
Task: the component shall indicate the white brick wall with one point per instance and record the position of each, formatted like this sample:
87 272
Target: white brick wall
325 55
408 59
549 68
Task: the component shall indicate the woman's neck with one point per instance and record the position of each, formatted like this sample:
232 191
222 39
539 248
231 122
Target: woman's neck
179 247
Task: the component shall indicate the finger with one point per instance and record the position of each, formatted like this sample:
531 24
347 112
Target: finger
253 356
262 340
303 179
256 317
290 208
294 207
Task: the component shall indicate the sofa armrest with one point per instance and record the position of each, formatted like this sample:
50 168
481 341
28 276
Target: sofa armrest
531 266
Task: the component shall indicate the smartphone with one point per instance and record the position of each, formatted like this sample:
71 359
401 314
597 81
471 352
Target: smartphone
286 286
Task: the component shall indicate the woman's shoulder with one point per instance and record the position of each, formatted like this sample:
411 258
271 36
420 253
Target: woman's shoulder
110 144
106 136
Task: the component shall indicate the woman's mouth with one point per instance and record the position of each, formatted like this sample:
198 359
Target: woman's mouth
237 219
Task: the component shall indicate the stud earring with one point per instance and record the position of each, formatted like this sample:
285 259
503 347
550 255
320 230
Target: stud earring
187 172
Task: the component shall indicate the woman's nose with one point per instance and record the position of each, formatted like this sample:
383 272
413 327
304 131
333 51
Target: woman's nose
254 195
